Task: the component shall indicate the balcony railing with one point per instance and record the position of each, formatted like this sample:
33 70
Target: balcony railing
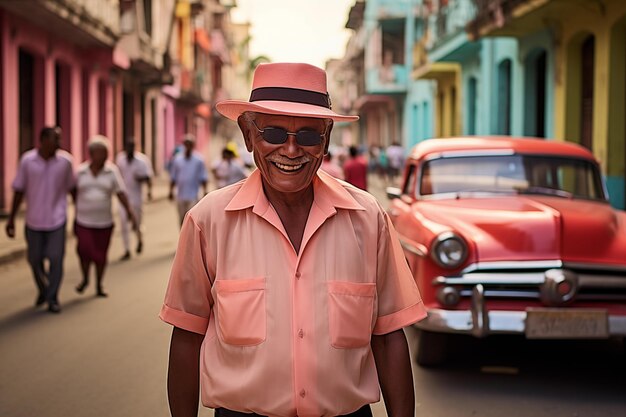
193 86
105 12
386 9
491 13
450 20
387 80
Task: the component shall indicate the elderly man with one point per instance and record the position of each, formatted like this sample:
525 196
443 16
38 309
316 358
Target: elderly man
289 290
136 170
44 177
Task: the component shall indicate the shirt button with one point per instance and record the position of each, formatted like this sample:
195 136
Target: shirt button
300 333
302 393
298 274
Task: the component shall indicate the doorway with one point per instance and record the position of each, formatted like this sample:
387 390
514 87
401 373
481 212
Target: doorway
504 98
587 90
536 89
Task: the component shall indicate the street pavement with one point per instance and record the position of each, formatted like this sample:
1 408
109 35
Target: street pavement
108 357
99 357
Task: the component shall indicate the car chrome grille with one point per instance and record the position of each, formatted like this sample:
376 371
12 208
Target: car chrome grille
555 286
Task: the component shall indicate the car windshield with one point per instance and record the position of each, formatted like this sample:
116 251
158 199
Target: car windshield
527 174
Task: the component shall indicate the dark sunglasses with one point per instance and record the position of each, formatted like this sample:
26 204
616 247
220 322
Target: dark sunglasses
278 136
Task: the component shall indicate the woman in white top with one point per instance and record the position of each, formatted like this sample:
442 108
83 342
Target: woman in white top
97 181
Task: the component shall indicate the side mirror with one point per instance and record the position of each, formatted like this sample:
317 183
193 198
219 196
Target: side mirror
393 193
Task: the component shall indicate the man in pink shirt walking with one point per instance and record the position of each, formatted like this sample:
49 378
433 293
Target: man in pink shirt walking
44 177
289 290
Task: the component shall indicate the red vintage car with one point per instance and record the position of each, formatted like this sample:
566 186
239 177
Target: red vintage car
510 236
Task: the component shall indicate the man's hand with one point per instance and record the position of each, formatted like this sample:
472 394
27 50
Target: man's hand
10 228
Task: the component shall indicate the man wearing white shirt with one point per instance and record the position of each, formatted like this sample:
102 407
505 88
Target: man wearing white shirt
136 170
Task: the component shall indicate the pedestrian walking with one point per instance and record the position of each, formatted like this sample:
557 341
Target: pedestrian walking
227 170
44 178
97 182
355 169
331 167
187 174
289 290
395 160
136 170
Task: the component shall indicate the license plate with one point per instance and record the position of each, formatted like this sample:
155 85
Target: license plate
555 323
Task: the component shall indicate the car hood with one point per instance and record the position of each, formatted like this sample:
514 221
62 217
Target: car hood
535 228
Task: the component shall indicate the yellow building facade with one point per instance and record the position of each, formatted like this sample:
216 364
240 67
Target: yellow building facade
589 39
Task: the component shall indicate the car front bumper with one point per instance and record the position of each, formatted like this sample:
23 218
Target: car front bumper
480 322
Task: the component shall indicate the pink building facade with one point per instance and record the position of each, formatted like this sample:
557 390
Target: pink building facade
46 81
145 70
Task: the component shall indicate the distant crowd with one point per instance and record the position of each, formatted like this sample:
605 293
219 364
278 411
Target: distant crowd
353 167
46 176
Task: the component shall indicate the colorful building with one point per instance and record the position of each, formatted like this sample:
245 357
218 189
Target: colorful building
143 69
575 52
58 68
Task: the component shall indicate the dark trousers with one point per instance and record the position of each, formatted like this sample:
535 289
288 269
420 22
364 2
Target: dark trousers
48 244
364 411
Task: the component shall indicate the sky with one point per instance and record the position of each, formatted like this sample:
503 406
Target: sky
310 31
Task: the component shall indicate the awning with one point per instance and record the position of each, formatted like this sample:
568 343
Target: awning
203 110
436 70
202 39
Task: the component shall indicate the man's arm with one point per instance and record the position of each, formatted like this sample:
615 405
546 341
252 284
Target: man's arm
18 196
121 195
149 184
393 364
183 376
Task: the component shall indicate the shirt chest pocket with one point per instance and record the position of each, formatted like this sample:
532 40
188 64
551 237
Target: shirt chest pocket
350 310
241 313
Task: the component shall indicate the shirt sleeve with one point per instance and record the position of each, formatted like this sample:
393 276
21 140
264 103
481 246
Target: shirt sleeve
118 182
174 170
204 175
188 298
19 183
149 170
70 181
399 300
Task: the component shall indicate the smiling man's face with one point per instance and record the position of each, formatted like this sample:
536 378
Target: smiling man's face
288 167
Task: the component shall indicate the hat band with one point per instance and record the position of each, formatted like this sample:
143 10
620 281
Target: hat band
294 95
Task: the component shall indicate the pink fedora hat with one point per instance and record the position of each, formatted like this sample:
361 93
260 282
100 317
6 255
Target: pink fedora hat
286 88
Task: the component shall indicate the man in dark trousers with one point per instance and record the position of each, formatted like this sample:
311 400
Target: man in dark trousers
289 290
44 178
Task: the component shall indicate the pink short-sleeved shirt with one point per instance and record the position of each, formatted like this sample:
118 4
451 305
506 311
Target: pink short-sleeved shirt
289 333
45 184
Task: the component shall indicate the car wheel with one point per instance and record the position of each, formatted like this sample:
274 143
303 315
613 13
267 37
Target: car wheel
431 348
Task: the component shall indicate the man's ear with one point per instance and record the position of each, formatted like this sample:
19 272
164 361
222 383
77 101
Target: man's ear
246 131
329 128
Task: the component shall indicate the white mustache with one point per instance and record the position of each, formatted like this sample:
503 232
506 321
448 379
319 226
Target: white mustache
286 161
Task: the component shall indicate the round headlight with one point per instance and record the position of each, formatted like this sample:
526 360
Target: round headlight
449 250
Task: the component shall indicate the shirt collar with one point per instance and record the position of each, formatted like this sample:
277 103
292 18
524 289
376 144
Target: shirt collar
329 194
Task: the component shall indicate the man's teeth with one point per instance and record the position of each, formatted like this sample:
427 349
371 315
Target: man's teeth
288 167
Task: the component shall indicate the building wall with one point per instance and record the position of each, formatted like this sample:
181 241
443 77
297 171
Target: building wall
604 23
531 44
418 112
87 110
